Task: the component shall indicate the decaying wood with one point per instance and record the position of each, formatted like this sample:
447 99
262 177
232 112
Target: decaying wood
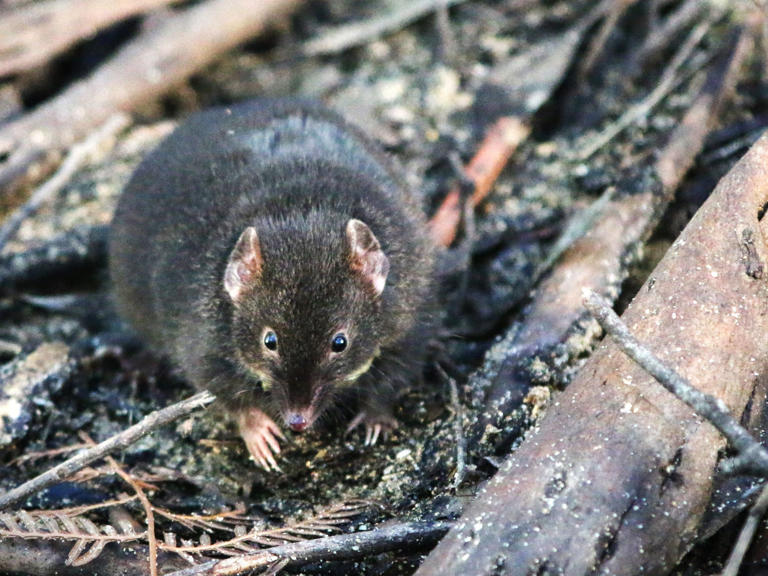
33 33
750 451
619 472
155 62
598 260
116 442
751 454
408 536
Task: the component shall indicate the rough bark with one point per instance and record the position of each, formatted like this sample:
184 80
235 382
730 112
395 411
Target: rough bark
619 473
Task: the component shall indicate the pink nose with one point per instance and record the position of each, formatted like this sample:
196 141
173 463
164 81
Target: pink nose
297 422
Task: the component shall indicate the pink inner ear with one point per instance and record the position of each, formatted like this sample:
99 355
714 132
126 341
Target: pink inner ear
368 259
244 264
375 267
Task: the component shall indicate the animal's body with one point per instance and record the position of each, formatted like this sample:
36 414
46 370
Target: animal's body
274 253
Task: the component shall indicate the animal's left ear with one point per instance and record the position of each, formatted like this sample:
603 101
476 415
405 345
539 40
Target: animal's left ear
367 258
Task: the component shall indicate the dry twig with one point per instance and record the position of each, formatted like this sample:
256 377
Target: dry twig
145 504
458 428
660 38
116 442
414 535
500 142
756 514
669 81
358 33
597 46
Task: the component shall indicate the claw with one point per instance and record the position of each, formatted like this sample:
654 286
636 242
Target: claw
258 431
376 432
375 427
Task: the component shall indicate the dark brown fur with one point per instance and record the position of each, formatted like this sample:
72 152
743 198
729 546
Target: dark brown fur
297 173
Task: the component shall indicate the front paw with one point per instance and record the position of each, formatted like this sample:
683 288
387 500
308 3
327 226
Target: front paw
260 434
375 425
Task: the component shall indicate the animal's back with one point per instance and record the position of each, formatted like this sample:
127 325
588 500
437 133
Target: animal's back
181 211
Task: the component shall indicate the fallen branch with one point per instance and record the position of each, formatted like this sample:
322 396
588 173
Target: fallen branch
116 442
500 142
33 33
359 33
710 407
600 258
411 536
152 64
751 452
618 474
72 163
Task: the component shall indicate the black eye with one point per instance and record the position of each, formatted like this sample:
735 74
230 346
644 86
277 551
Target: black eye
339 343
270 340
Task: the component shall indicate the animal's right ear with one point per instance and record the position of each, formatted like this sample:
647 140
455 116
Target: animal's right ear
244 264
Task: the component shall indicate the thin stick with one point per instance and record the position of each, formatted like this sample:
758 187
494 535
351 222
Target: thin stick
711 408
350 35
341 547
76 158
500 142
601 38
116 442
458 428
747 533
659 39
669 81
145 503
148 512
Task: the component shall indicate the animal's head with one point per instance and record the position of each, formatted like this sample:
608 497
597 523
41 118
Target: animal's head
306 309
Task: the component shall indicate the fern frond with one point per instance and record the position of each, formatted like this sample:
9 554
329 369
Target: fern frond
67 524
327 522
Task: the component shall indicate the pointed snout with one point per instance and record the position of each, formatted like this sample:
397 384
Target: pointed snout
297 422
